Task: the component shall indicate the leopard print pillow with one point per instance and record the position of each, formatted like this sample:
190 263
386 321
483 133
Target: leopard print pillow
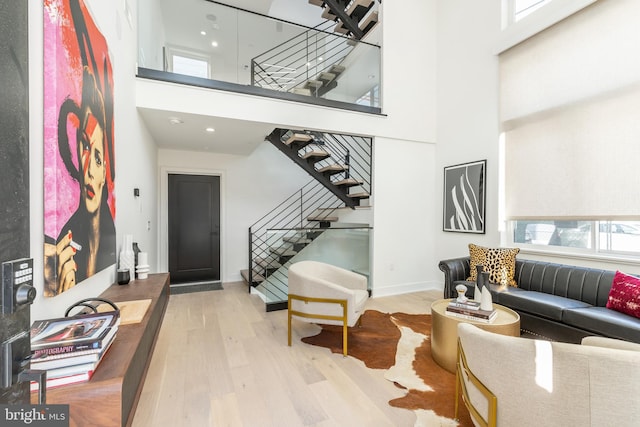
499 262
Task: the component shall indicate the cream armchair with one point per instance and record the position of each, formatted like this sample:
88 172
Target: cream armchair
508 381
324 293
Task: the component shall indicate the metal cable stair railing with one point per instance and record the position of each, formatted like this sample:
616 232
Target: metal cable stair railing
281 233
308 63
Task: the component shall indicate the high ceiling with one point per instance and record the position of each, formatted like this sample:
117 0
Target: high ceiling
230 136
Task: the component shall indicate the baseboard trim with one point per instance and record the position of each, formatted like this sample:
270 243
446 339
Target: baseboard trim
405 289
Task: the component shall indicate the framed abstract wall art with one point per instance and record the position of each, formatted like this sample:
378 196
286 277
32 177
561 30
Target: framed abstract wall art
464 197
79 162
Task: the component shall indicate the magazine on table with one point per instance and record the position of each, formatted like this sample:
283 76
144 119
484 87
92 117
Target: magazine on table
68 334
47 362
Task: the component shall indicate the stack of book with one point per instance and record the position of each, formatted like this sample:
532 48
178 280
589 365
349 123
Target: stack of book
70 348
470 310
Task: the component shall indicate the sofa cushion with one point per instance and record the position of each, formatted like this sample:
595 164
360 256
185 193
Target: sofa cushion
625 294
538 303
603 321
500 263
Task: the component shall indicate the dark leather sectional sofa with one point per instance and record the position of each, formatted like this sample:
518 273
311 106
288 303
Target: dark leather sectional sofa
556 301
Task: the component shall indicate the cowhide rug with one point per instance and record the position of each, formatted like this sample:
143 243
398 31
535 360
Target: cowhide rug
399 343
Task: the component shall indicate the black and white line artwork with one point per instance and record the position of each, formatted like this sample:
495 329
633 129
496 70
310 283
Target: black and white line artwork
464 197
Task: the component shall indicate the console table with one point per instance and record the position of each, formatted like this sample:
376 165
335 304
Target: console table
111 396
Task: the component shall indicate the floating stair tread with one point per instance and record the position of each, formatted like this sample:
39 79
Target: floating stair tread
323 218
313 84
341 29
301 91
268 263
359 8
283 251
298 137
316 2
326 77
315 154
359 195
328 14
298 240
347 182
335 168
257 277
369 22
337 69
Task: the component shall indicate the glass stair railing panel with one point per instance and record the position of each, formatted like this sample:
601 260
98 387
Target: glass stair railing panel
346 247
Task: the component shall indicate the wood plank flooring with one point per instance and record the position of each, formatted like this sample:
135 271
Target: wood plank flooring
221 360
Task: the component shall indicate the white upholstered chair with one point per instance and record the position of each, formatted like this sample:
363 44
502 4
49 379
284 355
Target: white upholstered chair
513 381
324 293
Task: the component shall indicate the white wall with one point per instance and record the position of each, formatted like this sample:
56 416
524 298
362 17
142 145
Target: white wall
250 187
468 125
136 155
403 237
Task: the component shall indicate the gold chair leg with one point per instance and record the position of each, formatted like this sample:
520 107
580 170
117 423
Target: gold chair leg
344 339
458 379
344 329
289 321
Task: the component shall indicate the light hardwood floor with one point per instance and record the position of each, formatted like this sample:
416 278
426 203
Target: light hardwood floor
221 360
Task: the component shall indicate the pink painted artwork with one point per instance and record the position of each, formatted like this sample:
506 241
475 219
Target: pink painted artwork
79 161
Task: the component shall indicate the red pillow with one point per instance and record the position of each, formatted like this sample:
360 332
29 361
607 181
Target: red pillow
625 294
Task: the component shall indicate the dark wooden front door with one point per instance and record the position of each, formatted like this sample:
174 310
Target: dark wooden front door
194 228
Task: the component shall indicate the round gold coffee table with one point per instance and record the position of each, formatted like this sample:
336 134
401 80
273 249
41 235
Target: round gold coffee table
444 331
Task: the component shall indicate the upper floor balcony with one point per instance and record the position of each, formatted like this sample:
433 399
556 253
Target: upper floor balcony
208 44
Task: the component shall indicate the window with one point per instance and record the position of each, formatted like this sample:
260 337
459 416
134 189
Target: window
612 237
188 62
190 66
522 8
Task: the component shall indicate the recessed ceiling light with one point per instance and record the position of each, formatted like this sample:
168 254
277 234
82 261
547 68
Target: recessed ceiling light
214 43
175 121
204 33
210 129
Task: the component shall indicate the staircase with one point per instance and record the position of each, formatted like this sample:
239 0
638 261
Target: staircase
307 64
327 158
313 62
354 18
341 168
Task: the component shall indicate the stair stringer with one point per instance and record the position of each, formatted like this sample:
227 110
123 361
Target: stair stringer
275 138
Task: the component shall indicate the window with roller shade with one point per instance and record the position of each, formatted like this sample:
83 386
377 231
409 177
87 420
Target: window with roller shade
570 112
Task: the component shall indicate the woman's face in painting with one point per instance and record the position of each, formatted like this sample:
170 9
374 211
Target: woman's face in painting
92 163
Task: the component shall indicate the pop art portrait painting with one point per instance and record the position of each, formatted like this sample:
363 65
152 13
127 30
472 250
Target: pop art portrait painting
79 163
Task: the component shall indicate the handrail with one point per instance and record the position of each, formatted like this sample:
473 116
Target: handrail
278 19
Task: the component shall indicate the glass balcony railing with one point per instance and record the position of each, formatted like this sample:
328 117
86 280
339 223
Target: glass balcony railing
223 47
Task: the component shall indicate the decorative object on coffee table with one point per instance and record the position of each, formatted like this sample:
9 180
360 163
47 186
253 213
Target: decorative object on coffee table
462 290
477 296
464 197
